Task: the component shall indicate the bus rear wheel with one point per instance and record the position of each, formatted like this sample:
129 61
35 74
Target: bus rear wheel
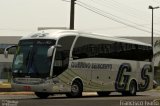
42 95
76 90
132 89
103 93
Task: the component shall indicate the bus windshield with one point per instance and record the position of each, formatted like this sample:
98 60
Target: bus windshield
31 59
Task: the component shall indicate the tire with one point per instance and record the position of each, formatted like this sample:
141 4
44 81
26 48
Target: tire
103 93
42 95
125 93
132 89
76 90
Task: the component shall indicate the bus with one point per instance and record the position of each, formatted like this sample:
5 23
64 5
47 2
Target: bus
72 62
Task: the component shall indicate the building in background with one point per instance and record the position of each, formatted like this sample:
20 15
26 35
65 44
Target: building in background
5 63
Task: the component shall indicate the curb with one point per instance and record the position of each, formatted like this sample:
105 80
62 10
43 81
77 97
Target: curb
89 93
32 93
16 93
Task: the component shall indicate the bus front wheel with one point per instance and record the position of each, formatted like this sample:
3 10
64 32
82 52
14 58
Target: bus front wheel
42 95
76 90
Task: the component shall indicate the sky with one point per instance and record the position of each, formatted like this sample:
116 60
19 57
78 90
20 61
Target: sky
117 17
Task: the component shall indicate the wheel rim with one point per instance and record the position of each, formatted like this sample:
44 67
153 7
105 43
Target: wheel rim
75 89
132 89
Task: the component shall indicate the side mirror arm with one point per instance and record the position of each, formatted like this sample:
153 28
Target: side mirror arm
51 49
7 49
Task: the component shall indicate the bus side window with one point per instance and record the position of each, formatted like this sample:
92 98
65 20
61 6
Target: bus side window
61 61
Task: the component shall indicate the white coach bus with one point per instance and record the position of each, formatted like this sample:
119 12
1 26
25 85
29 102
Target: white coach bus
71 62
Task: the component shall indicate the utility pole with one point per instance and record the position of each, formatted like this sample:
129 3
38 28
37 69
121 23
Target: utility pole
72 14
150 7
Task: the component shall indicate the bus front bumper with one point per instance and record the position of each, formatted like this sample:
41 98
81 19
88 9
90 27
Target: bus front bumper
45 87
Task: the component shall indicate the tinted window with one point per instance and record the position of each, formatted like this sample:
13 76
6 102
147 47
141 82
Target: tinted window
62 55
31 58
96 48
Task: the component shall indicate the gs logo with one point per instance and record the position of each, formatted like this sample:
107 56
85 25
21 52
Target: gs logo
145 77
123 68
122 80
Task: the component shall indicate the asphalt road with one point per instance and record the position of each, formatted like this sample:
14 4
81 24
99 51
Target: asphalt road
150 98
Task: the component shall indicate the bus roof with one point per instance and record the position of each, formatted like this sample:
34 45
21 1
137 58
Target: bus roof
57 33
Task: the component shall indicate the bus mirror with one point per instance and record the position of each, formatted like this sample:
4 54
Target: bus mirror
57 46
50 51
6 53
6 50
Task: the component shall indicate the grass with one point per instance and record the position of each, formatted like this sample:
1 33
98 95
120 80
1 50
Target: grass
8 86
158 88
5 85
